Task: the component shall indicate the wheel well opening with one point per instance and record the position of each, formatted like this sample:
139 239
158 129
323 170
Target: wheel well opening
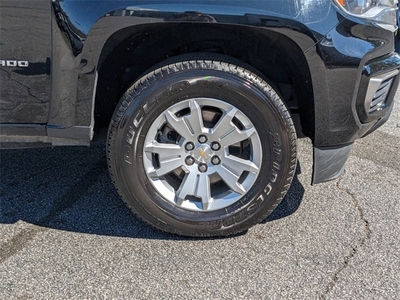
132 51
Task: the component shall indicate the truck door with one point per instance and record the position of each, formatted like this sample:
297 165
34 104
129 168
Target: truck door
25 47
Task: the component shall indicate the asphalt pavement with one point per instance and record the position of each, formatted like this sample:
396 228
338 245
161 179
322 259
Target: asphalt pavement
65 234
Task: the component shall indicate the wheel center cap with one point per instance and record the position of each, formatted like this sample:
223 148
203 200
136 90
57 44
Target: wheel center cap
203 153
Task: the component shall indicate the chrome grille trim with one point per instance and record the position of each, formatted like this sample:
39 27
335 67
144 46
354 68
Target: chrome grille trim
377 92
379 100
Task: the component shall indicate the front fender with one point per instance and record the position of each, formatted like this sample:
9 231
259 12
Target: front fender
85 31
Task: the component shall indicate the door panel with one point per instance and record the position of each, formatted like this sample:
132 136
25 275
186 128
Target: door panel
25 46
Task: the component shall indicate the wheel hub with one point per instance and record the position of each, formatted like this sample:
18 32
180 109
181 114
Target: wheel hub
203 154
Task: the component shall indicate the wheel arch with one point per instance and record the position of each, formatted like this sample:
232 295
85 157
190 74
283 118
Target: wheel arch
290 32
274 52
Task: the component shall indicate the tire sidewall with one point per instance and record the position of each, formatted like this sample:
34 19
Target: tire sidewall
146 100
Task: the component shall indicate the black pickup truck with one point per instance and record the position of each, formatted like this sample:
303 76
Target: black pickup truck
204 99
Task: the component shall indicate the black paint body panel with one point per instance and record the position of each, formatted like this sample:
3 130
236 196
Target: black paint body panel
76 37
25 28
335 48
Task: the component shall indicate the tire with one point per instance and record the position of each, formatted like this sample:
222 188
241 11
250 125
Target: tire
201 146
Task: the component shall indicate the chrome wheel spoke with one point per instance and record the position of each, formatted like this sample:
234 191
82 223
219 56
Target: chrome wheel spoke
203 190
224 127
197 185
239 165
169 158
178 124
189 125
230 177
194 121
236 136
187 187
166 166
227 133
164 150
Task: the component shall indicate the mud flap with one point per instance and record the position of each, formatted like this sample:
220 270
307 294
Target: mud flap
329 162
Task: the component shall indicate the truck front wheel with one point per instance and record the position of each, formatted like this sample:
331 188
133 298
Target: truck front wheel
201 146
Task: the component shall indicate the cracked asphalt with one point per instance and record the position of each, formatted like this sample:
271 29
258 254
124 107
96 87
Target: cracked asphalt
65 234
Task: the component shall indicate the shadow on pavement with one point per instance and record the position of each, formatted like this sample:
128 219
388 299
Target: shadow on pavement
68 188
292 200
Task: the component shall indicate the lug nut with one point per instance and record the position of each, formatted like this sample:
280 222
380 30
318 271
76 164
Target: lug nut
202 139
189 160
215 160
215 146
189 146
202 168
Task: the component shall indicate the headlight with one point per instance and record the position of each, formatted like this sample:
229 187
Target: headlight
378 10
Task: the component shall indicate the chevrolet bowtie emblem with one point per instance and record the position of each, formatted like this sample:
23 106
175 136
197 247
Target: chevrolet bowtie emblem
203 154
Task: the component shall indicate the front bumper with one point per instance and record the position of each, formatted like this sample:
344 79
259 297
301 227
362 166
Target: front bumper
375 99
374 103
